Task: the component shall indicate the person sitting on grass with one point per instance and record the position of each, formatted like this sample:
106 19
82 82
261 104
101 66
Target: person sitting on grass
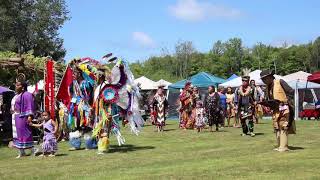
50 129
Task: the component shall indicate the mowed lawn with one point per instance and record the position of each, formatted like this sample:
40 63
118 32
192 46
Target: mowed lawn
179 154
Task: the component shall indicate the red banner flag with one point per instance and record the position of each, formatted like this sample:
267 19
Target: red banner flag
49 88
63 92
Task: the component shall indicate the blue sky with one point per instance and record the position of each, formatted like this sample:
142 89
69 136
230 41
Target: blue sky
137 29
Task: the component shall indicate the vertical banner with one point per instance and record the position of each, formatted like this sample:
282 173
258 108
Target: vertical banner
49 88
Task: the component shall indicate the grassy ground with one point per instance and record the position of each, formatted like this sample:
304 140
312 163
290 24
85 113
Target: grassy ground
178 154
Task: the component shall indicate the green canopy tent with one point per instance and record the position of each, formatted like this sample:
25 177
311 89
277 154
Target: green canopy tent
201 80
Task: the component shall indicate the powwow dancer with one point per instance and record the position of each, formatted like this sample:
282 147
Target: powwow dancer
258 96
230 107
187 107
76 91
244 101
279 94
159 108
24 109
116 96
50 128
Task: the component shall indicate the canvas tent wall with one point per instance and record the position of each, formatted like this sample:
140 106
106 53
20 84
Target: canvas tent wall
300 75
304 91
145 83
32 88
202 80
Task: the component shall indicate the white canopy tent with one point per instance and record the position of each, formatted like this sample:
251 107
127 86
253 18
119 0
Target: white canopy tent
32 88
300 75
145 83
162 82
254 75
302 84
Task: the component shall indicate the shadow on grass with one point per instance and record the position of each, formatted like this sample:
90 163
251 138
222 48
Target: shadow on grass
169 129
61 154
128 148
259 134
293 148
146 125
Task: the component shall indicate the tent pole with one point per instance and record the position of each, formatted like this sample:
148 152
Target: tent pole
296 102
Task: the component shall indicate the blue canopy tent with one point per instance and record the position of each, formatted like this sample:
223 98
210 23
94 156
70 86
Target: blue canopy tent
233 76
202 80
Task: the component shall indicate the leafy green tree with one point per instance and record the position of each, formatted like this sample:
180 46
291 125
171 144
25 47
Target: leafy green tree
32 26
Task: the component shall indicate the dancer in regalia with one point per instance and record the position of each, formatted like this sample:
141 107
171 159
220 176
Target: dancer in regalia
245 104
159 108
279 99
187 107
115 98
76 91
24 109
80 110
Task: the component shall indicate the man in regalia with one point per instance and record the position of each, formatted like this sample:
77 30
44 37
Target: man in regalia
245 104
279 94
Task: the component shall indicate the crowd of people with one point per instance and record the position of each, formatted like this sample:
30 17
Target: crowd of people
245 105
98 100
93 102
242 106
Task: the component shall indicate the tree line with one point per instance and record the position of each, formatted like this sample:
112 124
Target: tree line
229 57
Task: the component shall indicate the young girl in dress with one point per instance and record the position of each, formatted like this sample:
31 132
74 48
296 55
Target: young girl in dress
50 129
200 118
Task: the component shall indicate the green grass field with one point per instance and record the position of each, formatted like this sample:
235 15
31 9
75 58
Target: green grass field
178 154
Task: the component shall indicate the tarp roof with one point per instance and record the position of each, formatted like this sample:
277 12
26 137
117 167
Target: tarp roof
233 76
145 83
163 82
254 75
4 89
314 77
297 75
303 84
201 79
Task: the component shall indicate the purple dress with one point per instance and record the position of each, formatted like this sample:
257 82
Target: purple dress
49 139
24 106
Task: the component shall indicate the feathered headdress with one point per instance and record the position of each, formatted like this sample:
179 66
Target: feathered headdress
245 74
109 58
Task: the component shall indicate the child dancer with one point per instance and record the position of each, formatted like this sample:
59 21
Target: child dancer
200 119
50 129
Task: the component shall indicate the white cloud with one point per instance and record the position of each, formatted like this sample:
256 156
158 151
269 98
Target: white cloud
194 10
143 39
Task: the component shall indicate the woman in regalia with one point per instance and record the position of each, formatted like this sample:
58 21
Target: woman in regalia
159 108
24 109
187 107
